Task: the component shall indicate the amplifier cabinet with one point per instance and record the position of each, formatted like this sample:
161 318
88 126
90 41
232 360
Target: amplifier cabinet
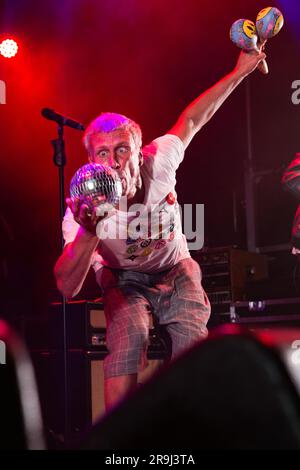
226 272
86 329
270 312
85 352
85 391
85 325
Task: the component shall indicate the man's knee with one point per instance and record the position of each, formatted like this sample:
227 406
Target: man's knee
127 353
132 337
185 335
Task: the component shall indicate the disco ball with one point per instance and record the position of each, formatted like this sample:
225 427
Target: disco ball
93 180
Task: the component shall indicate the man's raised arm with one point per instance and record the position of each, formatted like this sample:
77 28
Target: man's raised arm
201 110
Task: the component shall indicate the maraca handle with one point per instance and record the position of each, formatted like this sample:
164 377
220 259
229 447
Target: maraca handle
263 67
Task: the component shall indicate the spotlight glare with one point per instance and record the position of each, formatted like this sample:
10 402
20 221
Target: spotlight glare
8 48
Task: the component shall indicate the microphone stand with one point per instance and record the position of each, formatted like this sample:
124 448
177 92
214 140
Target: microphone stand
59 159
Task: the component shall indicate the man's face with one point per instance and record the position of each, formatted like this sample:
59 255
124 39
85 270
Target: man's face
118 150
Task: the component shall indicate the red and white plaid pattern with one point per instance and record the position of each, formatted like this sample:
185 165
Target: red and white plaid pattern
175 297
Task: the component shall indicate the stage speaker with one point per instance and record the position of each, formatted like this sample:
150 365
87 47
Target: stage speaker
76 411
85 391
96 396
234 390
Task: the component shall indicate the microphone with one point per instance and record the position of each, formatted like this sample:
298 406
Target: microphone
60 119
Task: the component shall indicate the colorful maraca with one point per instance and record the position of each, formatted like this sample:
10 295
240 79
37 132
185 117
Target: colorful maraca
269 22
243 34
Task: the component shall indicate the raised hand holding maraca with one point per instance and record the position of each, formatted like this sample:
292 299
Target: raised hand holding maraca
247 63
253 37
243 34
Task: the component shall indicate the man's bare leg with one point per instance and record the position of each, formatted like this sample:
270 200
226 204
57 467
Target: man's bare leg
115 388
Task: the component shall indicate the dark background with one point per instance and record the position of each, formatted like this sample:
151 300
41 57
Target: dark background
148 60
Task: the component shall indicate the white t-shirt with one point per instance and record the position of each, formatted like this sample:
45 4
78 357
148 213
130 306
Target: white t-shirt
150 240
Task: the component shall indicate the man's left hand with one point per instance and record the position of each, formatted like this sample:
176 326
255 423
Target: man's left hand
248 62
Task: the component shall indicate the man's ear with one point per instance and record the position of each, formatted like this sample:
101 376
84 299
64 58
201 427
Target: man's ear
141 159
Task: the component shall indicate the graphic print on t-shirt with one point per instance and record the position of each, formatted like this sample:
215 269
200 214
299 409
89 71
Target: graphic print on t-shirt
155 229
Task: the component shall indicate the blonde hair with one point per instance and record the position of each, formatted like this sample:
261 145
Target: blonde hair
109 122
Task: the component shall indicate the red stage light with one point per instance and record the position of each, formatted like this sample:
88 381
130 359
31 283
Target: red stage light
8 48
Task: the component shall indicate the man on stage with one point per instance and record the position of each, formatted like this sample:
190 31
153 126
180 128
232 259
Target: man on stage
152 274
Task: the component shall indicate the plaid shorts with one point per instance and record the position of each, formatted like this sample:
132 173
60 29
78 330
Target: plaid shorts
176 299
